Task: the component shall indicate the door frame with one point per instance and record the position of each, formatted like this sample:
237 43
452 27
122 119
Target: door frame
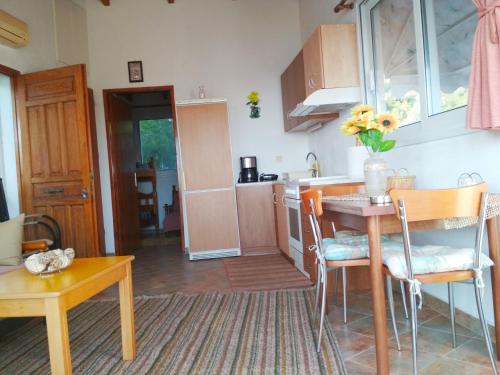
12 74
114 196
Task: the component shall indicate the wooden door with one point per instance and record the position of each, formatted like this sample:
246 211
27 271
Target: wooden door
281 219
205 145
313 63
56 153
123 155
256 217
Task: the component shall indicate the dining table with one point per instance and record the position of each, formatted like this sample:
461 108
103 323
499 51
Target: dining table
376 220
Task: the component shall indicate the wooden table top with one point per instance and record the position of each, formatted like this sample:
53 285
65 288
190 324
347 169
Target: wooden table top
357 207
20 284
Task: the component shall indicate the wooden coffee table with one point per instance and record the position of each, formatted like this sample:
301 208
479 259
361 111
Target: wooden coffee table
23 294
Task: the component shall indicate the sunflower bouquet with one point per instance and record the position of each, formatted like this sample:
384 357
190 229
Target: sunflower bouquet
370 128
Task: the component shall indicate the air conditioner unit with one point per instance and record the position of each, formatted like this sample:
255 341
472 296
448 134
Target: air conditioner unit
13 32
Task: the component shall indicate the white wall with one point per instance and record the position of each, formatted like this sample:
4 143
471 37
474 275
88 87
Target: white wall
41 52
230 47
436 164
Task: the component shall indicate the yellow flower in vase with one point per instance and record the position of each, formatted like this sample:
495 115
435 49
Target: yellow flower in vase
362 109
350 127
253 98
387 123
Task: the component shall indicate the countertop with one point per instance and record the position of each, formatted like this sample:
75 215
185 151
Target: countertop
249 184
339 181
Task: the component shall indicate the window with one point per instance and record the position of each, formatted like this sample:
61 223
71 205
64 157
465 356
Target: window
157 142
417 55
449 31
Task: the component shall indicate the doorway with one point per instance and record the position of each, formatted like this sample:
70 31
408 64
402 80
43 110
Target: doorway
142 155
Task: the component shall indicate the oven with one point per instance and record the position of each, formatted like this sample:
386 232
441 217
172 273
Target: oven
292 203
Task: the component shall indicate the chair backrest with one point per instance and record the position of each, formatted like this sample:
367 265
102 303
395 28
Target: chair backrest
420 205
311 201
439 203
315 195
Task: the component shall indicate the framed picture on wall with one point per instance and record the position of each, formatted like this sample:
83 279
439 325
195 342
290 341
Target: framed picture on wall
135 71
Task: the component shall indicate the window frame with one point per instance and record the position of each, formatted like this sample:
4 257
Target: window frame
431 127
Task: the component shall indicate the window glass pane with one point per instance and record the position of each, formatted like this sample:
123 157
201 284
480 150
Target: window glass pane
395 59
157 142
449 29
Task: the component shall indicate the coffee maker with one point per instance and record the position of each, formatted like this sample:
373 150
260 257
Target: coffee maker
248 172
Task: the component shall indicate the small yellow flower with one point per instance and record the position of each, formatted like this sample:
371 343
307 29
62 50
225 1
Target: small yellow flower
387 123
362 109
350 127
253 97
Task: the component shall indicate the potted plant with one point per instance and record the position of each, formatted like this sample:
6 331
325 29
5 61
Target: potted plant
370 129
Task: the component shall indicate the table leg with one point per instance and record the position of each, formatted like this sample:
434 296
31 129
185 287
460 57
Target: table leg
127 314
378 295
58 337
494 246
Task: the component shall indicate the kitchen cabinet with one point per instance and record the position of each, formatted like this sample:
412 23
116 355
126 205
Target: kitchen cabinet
281 219
331 58
293 90
256 218
328 60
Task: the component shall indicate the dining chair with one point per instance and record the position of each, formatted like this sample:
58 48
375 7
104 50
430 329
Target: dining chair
419 265
333 254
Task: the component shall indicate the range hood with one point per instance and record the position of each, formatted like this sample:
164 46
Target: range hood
327 101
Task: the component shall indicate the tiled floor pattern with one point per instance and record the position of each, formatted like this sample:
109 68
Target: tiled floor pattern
435 352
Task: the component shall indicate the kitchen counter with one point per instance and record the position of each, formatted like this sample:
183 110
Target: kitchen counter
260 183
339 181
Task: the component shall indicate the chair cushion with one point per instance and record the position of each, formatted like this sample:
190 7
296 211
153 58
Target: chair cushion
354 247
431 259
11 233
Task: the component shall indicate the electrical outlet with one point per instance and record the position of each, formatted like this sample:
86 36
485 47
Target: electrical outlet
279 159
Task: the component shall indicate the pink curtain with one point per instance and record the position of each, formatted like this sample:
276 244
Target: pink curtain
483 111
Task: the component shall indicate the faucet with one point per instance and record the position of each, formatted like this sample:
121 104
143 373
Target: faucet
315 166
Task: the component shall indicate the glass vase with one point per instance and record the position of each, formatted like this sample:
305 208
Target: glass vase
375 168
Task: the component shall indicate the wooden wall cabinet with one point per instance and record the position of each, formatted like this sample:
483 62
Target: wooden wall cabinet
331 58
281 219
256 218
328 60
293 90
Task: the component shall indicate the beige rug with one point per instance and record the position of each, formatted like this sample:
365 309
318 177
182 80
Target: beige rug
267 272
238 333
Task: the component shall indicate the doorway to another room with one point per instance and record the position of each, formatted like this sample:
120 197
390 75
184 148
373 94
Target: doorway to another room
143 166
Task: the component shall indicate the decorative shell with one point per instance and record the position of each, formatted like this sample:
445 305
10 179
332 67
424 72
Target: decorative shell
49 261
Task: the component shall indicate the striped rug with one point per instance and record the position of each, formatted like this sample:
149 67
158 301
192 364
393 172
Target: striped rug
267 272
237 333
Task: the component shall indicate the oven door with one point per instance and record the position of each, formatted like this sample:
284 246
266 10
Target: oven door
294 225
